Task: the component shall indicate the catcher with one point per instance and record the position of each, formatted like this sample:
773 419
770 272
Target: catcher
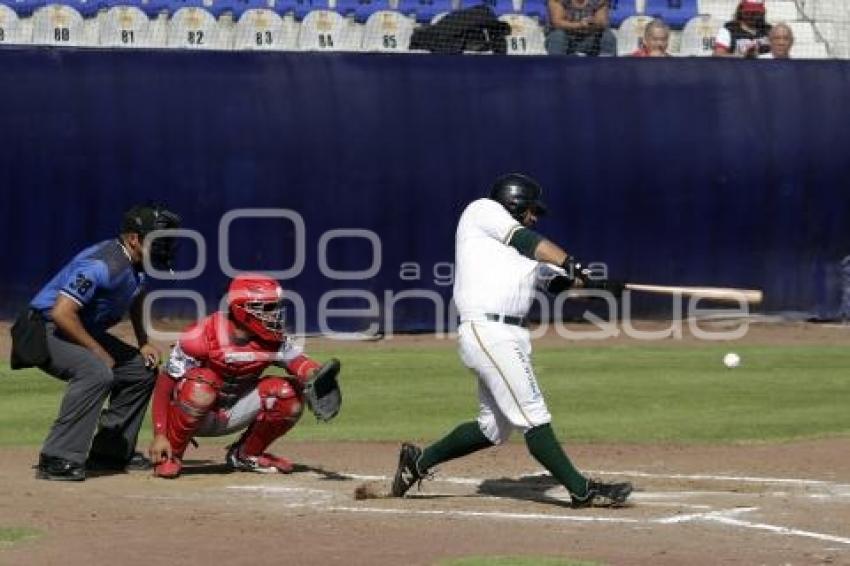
213 383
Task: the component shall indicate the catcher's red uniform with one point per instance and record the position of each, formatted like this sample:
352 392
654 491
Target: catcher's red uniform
213 385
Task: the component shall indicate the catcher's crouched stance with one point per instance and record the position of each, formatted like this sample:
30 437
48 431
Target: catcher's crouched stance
213 383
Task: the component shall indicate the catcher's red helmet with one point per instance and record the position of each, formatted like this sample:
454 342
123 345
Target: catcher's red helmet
255 303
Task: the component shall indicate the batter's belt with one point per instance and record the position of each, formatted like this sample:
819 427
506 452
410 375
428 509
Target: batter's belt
506 319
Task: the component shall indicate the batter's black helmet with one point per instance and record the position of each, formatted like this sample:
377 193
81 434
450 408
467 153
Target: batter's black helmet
144 219
518 193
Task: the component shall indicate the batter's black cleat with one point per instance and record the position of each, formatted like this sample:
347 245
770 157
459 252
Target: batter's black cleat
59 469
408 472
601 494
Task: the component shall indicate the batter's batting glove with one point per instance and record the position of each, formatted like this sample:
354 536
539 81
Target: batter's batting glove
575 269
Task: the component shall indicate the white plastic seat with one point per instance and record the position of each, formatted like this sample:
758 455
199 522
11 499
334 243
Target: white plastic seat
630 34
12 29
804 33
195 28
59 25
127 26
265 30
438 17
325 30
781 11
387 31
698 36
526 37
723 10
828 10
814 50
836 35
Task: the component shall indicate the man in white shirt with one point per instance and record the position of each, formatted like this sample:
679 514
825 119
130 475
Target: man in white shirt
501 261
781 42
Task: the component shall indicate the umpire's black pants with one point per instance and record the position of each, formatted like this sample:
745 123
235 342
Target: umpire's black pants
128 385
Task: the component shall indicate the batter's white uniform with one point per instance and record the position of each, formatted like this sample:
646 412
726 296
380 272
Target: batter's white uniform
493 278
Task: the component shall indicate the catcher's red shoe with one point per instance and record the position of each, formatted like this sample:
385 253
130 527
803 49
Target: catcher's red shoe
265 463
168 469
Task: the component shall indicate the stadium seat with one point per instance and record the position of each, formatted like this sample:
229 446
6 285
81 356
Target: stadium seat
265 30
213 7
698 36
804 33
526 37
153 8
675 13
781 11
828 10
835 34
297 8
192 27
722 10
361 9
499 7
424 10
620 10
60 25
24 8
12 30
238 7
387 31
128 26
537 9
630 34
325 30
815 50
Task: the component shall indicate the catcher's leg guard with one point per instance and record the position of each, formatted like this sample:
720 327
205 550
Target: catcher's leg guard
194 396
281 405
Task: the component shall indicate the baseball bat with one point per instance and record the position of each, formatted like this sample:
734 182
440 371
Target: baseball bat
753 296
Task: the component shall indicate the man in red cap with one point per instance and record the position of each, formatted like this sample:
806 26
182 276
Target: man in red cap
745 36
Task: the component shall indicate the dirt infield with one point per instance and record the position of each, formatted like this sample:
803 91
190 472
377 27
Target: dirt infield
760 504
786 503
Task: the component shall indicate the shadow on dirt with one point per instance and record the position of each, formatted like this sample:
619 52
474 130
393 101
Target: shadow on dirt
525 488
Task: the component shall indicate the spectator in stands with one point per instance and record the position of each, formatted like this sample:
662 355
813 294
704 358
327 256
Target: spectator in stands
656 39
580 27
781 42
746 35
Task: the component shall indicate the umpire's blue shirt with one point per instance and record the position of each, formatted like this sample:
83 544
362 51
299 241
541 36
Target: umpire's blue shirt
101 279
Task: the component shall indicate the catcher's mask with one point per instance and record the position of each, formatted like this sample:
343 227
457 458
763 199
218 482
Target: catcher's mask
518 193
147 219
255 301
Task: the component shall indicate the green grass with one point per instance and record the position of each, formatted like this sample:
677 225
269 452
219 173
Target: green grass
515 561
11 535
631 393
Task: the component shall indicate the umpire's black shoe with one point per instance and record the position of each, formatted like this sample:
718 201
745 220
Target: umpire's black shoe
104 463
408 472
603 494
59 469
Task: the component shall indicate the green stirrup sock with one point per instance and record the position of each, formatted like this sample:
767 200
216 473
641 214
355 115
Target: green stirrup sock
544 447
465 439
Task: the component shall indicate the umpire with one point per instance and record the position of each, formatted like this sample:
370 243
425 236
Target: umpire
64 333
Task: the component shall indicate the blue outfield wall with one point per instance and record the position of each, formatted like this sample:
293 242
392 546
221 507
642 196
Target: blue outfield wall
706 172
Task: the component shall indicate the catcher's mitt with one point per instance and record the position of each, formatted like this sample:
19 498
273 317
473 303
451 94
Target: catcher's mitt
322 391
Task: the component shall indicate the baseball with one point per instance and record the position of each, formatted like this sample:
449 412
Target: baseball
731 360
